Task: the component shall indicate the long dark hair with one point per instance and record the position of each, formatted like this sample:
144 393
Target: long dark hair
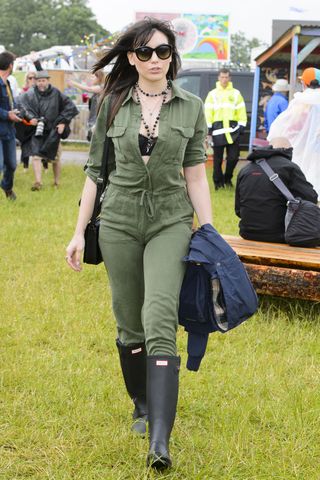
123 75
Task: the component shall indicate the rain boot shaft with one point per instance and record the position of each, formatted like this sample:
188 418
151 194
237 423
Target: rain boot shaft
133 365
162 395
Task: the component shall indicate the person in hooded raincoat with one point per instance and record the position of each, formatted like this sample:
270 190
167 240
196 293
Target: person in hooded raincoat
300 126
47 107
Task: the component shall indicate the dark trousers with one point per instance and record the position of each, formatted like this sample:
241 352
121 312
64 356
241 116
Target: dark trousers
219 178
24 160
8 162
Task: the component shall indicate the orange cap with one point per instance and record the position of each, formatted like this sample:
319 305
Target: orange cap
310 74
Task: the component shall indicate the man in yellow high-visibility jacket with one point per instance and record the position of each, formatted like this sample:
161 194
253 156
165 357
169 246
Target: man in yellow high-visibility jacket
226 118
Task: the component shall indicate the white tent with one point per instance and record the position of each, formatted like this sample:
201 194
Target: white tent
57 57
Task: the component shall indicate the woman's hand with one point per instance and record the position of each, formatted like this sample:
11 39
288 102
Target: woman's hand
76 246
74 252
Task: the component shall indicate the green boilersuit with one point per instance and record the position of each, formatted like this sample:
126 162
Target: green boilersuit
146 216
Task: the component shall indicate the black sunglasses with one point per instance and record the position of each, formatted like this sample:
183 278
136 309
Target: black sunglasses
144 53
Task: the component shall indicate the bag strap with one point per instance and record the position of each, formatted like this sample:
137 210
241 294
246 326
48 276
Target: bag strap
103 178
276 180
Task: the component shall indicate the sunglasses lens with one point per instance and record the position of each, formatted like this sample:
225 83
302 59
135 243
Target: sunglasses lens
163 51
144 53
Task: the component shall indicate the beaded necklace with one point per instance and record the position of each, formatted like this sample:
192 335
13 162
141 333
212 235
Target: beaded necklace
151 131
137 86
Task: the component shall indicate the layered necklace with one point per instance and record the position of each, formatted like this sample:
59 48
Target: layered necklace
150 130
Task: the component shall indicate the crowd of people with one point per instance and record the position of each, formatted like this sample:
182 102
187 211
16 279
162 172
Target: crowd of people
293 153
38 117
298 125
225 113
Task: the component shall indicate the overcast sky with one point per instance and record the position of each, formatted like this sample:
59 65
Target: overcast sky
253 17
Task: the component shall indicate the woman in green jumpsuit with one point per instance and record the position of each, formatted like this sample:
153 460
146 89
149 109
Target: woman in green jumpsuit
157 132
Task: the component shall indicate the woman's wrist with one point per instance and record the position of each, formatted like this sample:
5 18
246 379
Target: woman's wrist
205 222
79 232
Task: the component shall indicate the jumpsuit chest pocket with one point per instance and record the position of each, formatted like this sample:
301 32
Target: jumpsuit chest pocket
180 137
116 131
121 141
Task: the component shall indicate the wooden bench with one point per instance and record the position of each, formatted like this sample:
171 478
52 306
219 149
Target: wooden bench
279 269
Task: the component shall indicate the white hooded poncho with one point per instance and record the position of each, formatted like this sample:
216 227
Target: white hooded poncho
300 125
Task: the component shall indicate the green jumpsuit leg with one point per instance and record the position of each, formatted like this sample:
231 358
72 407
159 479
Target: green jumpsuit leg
123 257
163 275
148 276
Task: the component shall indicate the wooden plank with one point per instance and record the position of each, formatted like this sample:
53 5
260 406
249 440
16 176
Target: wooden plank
285 282
264 253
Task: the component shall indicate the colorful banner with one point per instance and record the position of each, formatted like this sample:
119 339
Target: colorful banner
212 41
199 36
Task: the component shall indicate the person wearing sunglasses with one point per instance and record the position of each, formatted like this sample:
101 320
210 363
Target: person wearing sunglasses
29 81
157 132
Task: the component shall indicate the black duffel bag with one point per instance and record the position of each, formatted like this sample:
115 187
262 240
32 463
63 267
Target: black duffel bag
302 223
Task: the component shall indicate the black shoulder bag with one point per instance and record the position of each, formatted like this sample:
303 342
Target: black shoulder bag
92 252
302 220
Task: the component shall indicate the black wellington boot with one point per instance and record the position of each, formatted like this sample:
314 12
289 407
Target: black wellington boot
162 395
133 365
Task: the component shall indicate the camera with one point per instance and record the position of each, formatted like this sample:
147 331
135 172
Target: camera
40 127
23 114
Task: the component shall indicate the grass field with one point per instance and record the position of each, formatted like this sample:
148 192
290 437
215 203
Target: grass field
252 412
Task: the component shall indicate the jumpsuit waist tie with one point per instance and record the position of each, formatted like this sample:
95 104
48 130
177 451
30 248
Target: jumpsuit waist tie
146 201
146 197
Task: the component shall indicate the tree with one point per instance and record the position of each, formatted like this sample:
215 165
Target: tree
44 23
241 47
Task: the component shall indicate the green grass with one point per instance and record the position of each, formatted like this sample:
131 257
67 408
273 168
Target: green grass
252 412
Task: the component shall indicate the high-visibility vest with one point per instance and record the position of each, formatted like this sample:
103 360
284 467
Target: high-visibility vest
225 111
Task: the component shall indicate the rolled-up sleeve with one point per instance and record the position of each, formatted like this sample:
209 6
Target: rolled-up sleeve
93 165
195 151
